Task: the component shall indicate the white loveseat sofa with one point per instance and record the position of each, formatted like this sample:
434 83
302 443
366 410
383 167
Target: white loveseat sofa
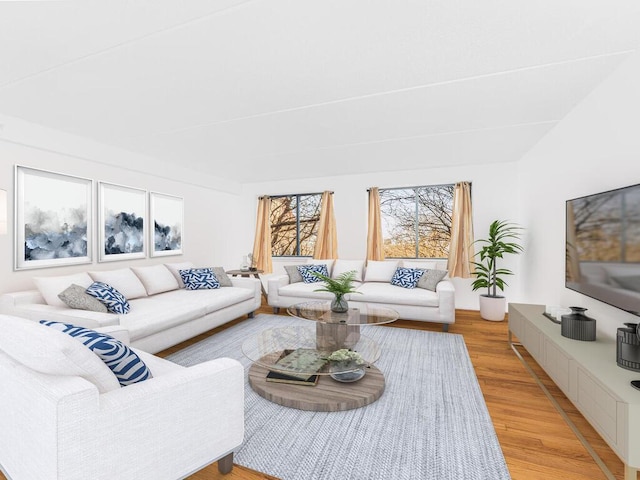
373 286
64 416
162 314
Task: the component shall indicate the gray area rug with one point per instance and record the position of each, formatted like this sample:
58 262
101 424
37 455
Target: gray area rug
431 423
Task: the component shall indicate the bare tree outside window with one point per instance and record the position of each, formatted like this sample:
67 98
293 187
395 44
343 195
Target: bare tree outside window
294 224
416 221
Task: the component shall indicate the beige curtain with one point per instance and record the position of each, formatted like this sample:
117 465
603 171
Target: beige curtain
262 242
573 264
375 248
327 239
461 250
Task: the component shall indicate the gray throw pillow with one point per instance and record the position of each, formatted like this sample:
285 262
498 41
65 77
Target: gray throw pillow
294 274
221 275
75 296
430 278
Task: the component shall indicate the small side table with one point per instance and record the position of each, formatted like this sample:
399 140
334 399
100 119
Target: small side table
249 273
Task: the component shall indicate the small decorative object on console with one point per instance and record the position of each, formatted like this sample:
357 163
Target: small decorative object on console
578 326
628 347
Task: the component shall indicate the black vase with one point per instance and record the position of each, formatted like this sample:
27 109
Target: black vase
578 326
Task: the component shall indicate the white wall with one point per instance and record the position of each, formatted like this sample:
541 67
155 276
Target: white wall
595 148
494 193
210 215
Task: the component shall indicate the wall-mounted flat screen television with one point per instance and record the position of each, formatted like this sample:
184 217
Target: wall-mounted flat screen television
603 247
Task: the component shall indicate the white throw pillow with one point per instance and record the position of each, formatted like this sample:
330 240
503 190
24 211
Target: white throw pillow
328 263
123 280
51 287
52 352
423 264
156 279
380 271
175 268
342 266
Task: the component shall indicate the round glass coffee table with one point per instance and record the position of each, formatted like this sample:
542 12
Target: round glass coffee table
291 367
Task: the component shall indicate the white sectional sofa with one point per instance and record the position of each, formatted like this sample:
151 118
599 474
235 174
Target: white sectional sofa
162 313
373 286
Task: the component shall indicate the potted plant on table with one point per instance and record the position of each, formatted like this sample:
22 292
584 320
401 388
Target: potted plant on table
502 240
339 286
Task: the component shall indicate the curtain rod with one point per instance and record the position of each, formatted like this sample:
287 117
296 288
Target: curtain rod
420 186
292 195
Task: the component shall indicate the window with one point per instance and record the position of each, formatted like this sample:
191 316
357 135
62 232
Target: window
416 221
294 224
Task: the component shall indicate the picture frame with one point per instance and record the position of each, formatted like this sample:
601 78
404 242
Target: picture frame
53 219
122 222
167 224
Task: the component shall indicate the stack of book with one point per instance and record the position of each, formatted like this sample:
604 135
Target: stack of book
297 367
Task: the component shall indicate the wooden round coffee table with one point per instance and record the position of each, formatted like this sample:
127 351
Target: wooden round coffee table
328 395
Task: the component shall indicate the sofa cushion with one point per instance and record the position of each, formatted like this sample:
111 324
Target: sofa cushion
76 297
430 279
222 277
294 274
52 352
125 364
378 292
423 264
304 290
307 272
123 280
210 300
318 261
156 279
51 287
199 279
175 268
380 271
406 277
343 266
109 296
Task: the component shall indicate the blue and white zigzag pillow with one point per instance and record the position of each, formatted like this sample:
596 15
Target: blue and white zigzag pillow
199 279
109 296
125 364
406 277
308 277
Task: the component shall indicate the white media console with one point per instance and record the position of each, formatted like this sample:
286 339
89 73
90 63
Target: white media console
589 376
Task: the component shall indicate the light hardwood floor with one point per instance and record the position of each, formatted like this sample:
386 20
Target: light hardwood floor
536 442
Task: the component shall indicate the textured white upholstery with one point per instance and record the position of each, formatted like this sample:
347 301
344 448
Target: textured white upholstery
155 322
411 304
50 287
63 428
175 268
342 266
156 279
123 280
380 271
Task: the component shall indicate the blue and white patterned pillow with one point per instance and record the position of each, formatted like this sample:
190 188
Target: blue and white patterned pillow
109 296
308 277
199 279
125 364
406 277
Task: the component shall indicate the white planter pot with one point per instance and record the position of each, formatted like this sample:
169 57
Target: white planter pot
493 308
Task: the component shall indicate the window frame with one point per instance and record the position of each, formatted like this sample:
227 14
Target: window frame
416 222
297 216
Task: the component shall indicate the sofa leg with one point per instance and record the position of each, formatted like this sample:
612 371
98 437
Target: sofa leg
251 314
276 310
225 464
445 327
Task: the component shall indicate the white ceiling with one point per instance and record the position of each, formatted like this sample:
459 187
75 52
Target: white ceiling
255 90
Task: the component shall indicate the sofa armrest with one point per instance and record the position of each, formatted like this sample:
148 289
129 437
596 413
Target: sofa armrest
199 410
81 318
273 286
446 300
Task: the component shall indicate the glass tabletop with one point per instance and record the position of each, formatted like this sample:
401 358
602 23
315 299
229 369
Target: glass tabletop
363 314
294 351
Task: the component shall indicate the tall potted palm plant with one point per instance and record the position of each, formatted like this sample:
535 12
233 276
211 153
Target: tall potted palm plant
502 240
